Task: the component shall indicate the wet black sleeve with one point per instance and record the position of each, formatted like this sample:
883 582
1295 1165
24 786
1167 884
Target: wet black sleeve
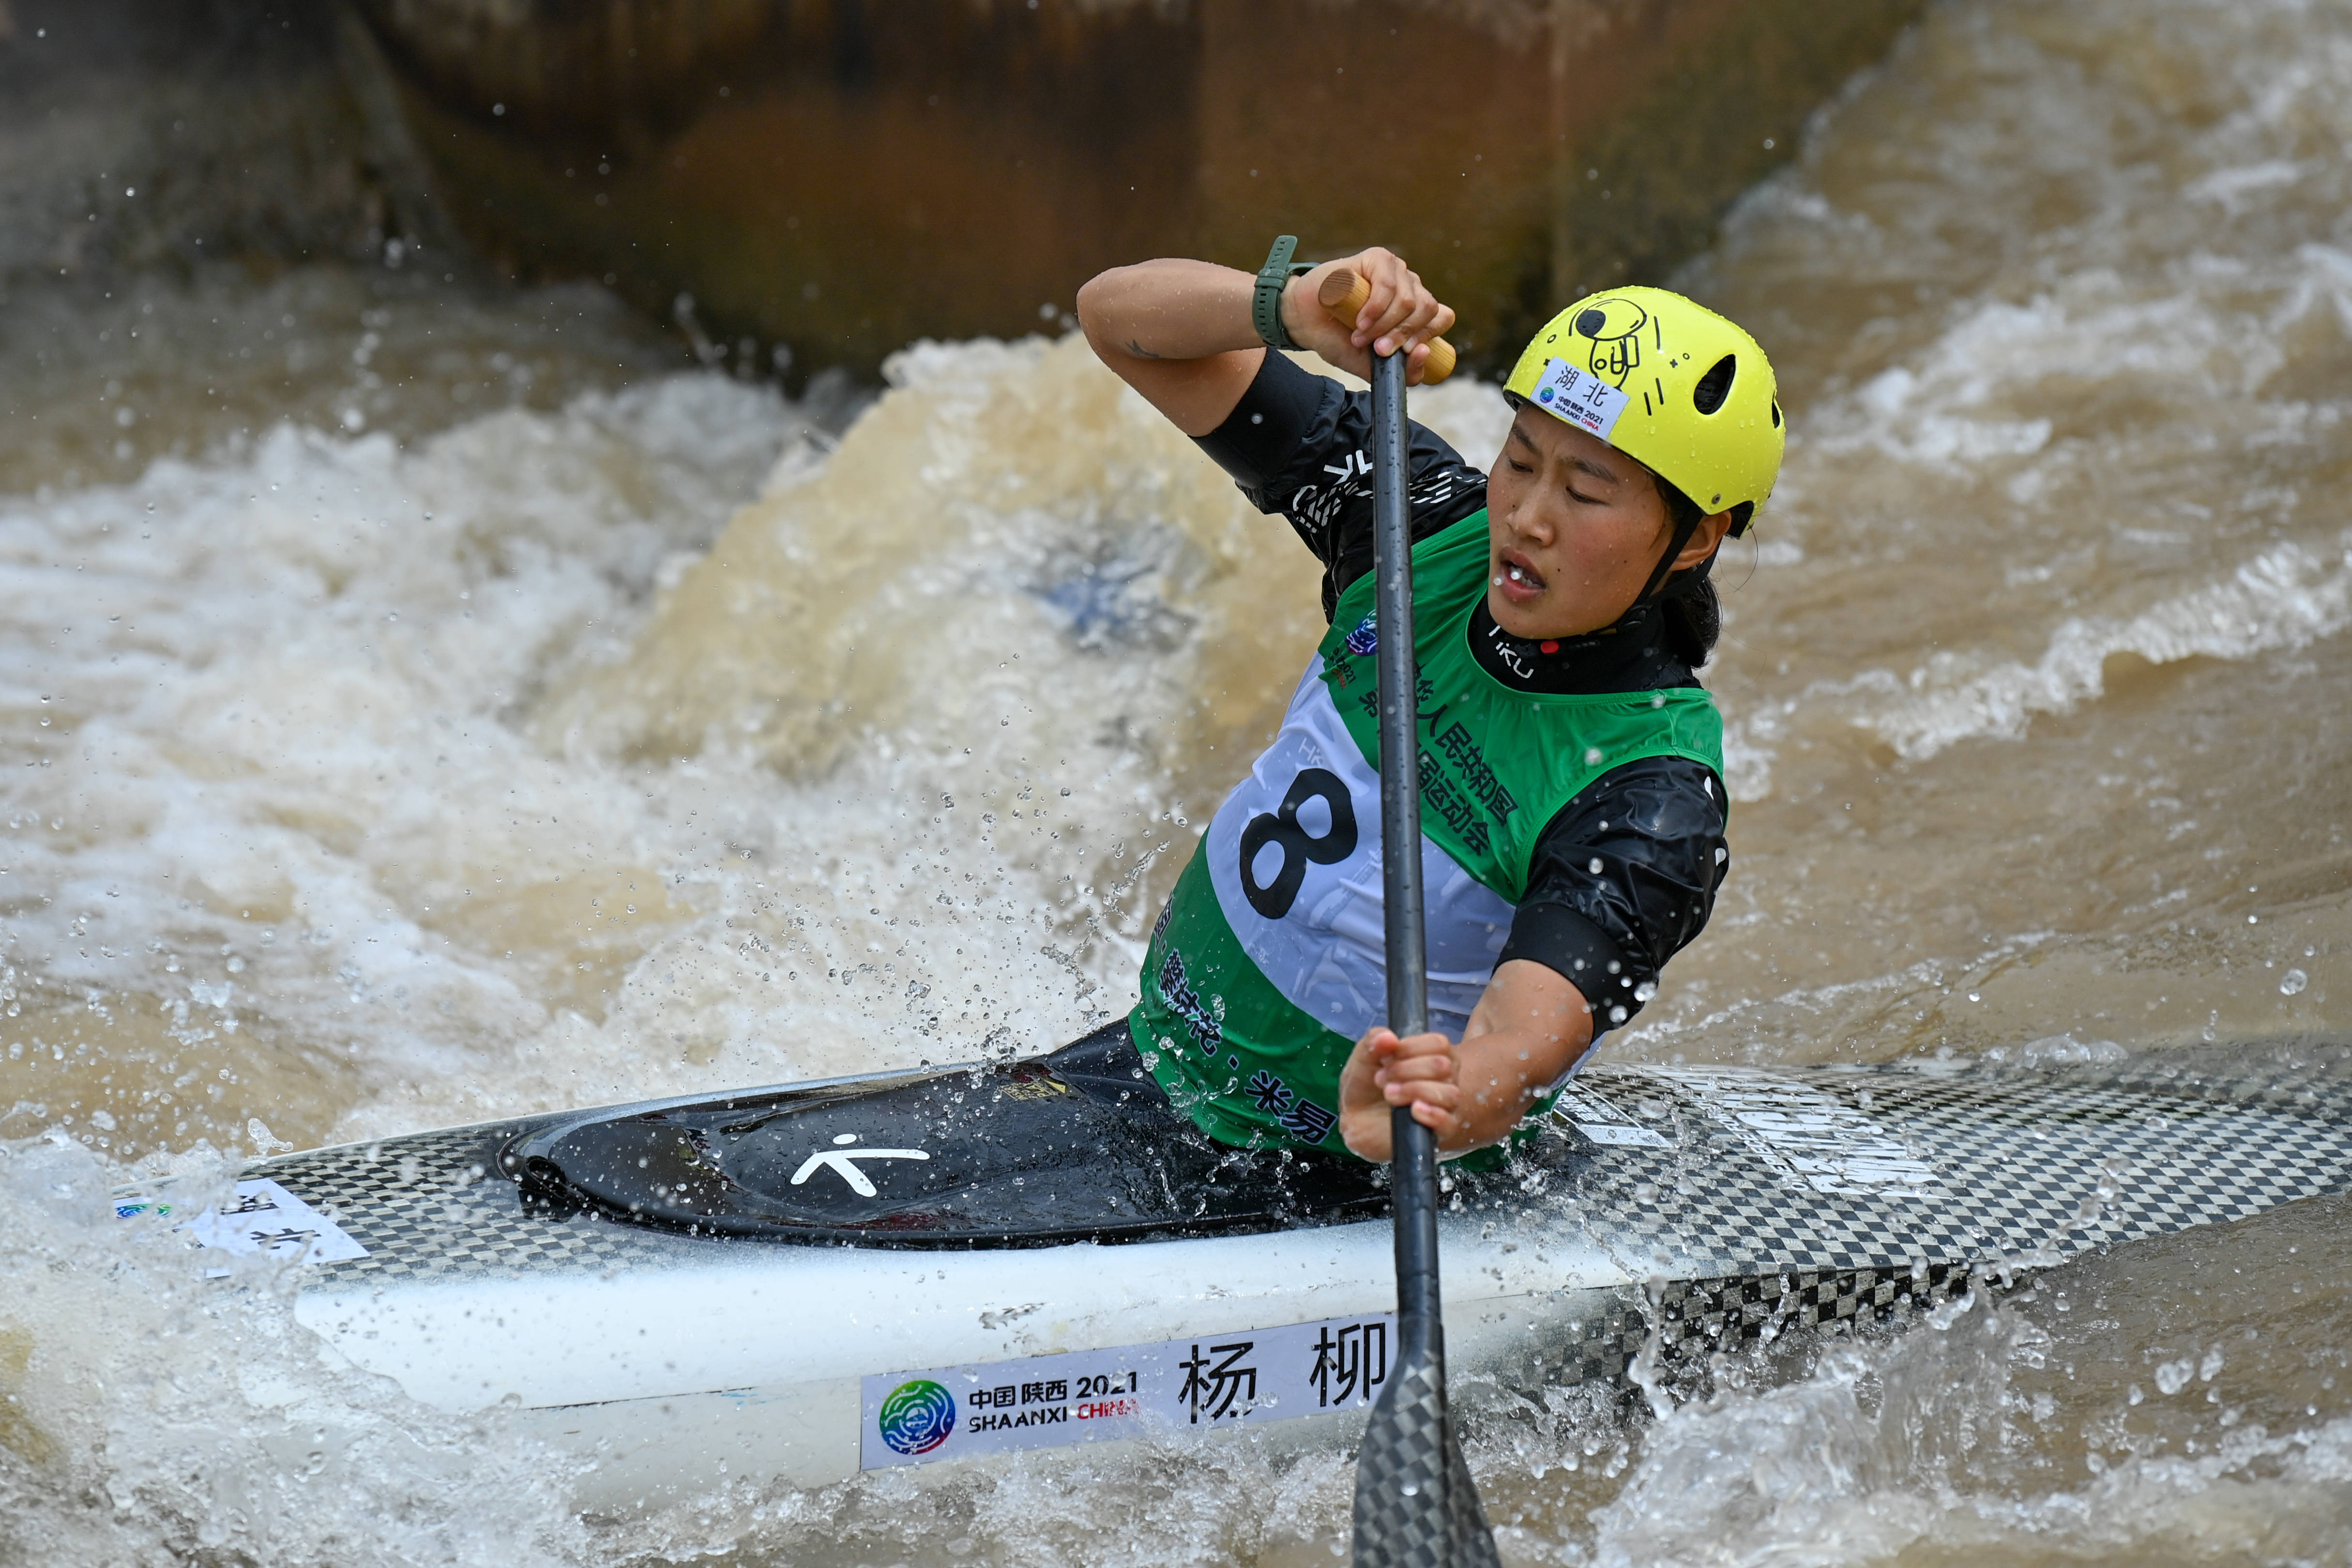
1300 443
1622 879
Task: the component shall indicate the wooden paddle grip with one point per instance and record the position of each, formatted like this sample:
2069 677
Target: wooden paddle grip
1343 294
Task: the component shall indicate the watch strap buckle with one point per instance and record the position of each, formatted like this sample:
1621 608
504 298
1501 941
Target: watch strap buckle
1266 299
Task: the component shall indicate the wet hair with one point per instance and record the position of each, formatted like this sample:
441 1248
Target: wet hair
1686 601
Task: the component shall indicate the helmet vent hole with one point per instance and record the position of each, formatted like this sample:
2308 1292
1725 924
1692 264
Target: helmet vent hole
1776 413
1714 385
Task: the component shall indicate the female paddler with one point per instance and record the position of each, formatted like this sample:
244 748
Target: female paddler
1571 765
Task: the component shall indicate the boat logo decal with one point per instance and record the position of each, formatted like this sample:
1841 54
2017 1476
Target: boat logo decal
1155 1392
844 1161
916 1417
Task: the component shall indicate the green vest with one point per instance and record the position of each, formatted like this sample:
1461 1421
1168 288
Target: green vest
1269 963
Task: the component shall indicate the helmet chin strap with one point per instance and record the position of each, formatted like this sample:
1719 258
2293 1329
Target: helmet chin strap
1658 574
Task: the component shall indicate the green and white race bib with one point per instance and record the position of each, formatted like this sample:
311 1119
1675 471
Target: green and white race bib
1269 960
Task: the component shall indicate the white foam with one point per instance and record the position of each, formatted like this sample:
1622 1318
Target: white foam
1902 1447
2284 598
203 1422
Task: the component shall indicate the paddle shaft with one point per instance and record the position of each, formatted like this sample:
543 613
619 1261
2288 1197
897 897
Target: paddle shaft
1412 1171
1416 1506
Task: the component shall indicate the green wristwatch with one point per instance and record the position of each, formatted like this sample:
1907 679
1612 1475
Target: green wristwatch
1265 303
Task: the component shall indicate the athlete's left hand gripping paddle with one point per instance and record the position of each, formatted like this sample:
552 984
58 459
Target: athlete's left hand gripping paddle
1416 1506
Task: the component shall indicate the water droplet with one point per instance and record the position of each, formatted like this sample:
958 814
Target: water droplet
2292 982
1593 865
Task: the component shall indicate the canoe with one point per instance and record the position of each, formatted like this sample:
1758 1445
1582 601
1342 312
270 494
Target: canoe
807 1281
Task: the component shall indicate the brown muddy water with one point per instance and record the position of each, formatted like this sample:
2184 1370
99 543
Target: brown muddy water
421 704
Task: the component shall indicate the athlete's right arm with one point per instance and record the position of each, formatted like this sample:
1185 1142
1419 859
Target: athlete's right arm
1179 331
1527 1030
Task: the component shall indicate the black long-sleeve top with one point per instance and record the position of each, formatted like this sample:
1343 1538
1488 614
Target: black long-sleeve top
1299 444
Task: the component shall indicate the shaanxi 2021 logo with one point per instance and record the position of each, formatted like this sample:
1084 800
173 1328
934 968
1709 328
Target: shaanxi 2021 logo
918 1416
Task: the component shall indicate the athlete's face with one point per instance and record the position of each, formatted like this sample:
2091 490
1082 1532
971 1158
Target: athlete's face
1574 529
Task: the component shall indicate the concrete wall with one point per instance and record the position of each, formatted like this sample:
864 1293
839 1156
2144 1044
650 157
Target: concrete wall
843 177
135 135
834 178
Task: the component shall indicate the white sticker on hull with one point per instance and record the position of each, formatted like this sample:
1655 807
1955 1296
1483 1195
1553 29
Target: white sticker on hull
1160 1390
1821 1141
265 1217
1603 1123
1617 1135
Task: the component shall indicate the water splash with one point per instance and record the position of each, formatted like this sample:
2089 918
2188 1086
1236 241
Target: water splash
151 1413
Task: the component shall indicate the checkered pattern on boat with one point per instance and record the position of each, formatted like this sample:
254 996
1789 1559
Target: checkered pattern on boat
1837 1171
1794 1198
433 1203
1755 1223
1693 1317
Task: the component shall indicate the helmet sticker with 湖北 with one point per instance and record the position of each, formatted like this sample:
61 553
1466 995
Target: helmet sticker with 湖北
1690 395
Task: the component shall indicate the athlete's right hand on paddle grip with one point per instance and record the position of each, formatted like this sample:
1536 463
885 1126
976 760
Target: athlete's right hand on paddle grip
1348 309
1345 292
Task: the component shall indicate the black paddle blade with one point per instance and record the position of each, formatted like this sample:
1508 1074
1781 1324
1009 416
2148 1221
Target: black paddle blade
1416 1506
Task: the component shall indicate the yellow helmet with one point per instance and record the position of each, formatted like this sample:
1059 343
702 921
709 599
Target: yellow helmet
1668 382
